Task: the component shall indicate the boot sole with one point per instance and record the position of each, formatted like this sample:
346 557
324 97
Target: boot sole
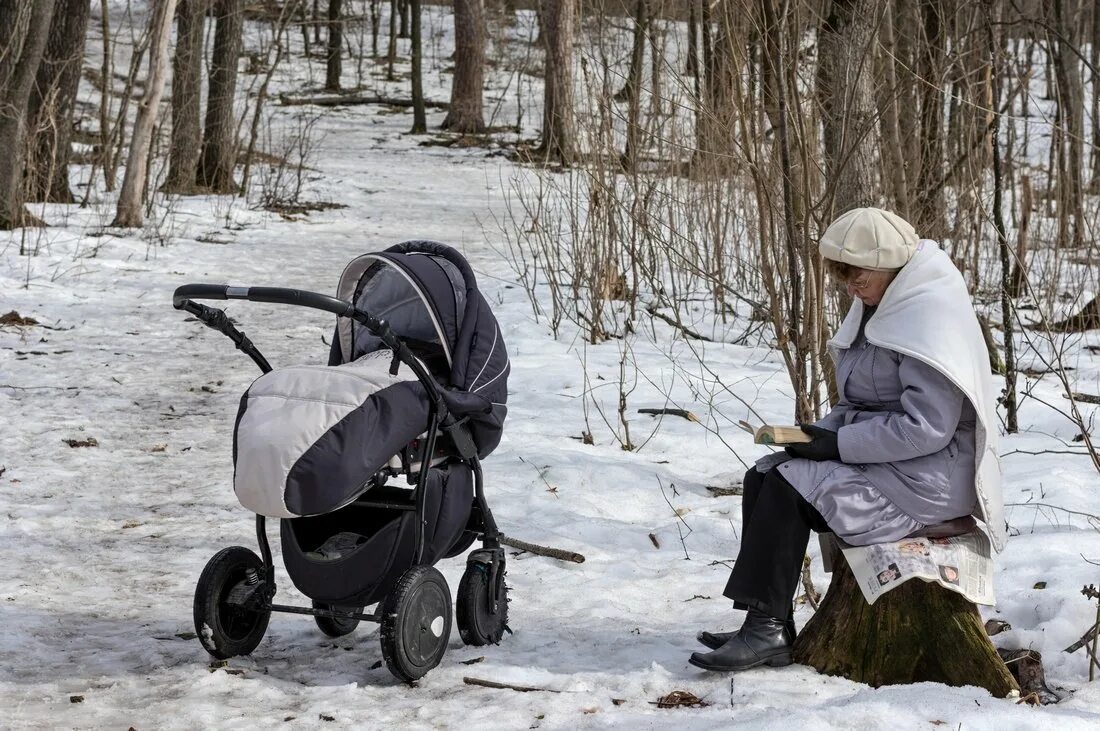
778 660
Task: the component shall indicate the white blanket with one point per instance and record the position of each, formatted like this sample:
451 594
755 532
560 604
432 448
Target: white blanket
927 314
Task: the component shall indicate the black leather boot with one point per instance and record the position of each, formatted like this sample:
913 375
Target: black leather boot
714 640
762 640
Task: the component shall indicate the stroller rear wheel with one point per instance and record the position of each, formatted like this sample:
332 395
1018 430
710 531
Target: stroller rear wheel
224 622
416 623
332 626
477 624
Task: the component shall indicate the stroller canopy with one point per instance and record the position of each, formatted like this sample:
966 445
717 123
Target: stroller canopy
428 294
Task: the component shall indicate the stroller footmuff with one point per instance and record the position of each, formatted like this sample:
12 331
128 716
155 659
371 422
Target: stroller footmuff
415 388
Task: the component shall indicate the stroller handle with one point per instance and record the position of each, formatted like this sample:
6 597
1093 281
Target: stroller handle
182 299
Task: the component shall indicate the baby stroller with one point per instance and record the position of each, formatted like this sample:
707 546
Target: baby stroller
415 387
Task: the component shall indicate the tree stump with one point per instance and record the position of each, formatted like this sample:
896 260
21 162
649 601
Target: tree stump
917 632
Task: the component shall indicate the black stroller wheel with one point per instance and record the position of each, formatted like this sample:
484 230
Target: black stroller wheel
332 626
227 630
416 623
476 623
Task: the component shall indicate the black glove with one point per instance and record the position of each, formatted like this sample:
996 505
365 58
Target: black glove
823 447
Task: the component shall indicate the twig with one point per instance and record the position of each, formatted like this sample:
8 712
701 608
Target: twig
679 517
547 551
507 686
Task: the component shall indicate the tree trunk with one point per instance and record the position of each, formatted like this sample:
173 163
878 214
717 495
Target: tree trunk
335 36
637 53
930 211
466 88
219 143
403 7
918 632
128 214
186 146
23 32
1094 61
1071 99
889 104
846 96
420 117
557 117
391 53
50 110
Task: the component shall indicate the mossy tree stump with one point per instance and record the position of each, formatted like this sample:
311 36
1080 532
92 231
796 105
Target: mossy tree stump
917 632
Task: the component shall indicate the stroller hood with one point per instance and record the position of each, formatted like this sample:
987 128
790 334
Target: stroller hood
308 439
428 294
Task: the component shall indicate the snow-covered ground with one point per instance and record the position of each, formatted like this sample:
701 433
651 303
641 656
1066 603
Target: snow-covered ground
102 545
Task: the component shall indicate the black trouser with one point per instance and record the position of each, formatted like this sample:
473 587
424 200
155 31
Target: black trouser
776 523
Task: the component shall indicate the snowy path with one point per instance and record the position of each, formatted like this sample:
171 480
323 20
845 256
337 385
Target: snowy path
102 545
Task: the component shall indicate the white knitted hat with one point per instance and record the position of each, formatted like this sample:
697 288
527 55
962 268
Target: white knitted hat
869 238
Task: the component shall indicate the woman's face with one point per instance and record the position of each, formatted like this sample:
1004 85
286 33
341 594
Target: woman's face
869 285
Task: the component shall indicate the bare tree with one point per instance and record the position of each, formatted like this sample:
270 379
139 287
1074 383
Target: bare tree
219 141
420 117
1070 119
24 27
335 38
186 146
846 94
466 114
930 208
128 214
557 117
50 111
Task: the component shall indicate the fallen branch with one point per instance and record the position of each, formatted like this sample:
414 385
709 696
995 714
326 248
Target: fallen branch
682 413
507 686
350 100
1085 639
1085 398
557 553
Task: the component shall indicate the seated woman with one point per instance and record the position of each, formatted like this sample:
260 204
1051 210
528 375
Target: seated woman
911 443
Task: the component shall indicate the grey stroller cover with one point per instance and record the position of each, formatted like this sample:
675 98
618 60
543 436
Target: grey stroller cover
308 439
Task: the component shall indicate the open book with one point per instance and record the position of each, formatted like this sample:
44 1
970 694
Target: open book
772 434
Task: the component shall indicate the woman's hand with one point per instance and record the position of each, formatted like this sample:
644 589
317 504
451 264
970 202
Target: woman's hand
822 448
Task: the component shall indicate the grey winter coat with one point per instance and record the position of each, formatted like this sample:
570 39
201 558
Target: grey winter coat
906 441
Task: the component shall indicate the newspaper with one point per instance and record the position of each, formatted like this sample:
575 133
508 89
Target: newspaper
961 564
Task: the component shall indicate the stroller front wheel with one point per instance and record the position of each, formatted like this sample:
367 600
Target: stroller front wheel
416 623
224 622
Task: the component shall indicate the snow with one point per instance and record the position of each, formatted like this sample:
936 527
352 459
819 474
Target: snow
104 544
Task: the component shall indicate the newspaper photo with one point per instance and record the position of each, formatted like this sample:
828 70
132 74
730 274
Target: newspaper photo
961 564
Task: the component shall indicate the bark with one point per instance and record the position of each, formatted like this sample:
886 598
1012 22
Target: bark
186 145
420 117
24 27
128 213
219 142
403 8
50 111
918 632
557 118
466 89
335 36
846 95
930 211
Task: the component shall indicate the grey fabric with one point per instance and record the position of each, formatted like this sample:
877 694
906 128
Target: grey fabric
906 438
309 437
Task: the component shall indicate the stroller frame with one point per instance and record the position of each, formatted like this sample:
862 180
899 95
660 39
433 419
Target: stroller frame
257 592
